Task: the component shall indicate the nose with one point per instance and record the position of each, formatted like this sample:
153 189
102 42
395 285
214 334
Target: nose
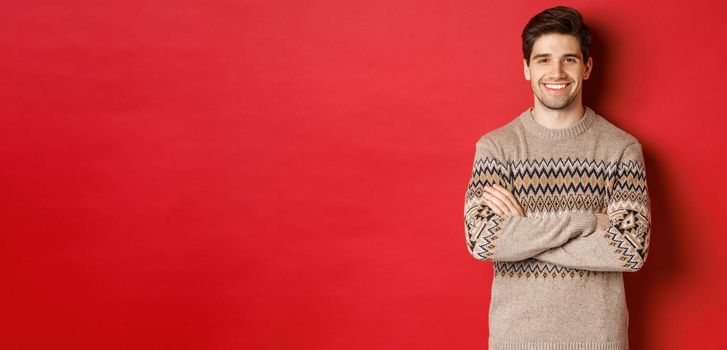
557 70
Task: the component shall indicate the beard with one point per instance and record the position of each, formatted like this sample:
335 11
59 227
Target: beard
553 102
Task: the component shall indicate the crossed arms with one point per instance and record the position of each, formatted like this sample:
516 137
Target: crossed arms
496 227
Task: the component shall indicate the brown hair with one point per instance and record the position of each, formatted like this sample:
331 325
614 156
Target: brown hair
559 19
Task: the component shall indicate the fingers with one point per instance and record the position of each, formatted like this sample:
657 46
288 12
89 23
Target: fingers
506 197
495 203
503 200
602 220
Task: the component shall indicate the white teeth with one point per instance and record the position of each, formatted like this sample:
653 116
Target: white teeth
559 86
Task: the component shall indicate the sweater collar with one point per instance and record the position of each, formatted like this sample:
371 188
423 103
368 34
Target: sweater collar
589 116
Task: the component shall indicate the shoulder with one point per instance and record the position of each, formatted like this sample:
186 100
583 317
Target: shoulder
501 137
614 135
614 139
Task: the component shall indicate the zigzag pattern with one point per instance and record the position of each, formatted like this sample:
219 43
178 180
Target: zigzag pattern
553 185
481 223
533 268
564 203
630 187
629 215
561 176
627 233
486 172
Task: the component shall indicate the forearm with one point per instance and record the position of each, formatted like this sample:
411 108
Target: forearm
514 238
622 246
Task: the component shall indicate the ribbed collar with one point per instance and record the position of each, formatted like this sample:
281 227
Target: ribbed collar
589 116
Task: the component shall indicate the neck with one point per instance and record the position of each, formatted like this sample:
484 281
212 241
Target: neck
558 118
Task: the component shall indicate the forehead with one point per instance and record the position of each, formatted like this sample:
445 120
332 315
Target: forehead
556 44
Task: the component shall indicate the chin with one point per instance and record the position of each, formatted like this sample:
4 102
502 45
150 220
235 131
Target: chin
557 105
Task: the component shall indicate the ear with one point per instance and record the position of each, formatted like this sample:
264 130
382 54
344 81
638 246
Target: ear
589 68
526 69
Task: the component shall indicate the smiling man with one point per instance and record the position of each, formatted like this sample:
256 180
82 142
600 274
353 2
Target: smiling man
556 72
558 200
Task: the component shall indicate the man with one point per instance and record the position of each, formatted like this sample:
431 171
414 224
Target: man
558 201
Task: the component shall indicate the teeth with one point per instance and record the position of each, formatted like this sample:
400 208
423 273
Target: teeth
559 86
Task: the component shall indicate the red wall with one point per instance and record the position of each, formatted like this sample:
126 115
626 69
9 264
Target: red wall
291 175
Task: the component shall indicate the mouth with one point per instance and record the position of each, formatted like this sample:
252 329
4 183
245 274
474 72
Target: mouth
556 88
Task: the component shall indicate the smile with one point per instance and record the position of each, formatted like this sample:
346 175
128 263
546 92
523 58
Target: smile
556 87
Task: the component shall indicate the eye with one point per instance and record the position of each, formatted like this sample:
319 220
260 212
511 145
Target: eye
571 59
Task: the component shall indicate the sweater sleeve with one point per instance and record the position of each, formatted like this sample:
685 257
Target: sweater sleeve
624 244
490 236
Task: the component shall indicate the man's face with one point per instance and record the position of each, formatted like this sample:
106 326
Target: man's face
555 60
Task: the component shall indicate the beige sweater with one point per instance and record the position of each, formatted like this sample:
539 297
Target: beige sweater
558 280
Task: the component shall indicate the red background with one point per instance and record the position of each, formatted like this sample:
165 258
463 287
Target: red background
291 175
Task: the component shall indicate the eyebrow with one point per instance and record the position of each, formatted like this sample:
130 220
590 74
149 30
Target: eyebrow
548 55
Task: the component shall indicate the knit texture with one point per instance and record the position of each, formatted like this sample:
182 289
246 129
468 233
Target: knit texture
558 278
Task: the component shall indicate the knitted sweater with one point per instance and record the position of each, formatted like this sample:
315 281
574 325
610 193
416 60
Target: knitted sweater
558 280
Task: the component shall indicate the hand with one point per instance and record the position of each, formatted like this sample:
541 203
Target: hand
502 202
602 221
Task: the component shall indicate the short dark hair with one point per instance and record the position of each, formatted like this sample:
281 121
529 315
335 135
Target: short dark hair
559 19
